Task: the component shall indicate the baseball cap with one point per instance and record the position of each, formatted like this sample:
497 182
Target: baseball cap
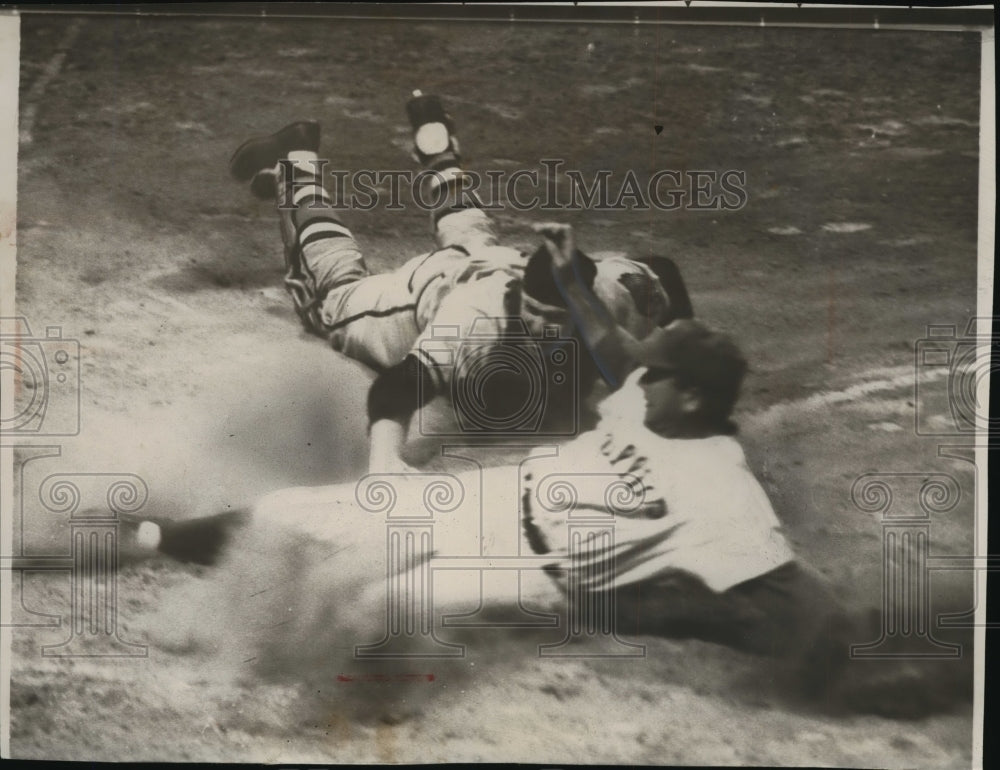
698 356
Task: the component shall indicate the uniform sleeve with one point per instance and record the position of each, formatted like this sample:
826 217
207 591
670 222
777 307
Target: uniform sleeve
611 359
465 327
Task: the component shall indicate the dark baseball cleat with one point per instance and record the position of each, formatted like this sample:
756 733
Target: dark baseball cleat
202 540
434 142
264 152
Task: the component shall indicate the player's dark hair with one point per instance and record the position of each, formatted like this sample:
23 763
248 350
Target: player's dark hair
717 382
701 360
540 284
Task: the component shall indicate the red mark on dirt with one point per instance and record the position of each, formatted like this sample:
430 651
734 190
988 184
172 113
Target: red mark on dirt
394 678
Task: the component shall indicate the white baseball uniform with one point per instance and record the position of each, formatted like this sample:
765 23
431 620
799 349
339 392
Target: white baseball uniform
678 504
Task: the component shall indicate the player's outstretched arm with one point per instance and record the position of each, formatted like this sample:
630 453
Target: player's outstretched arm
602 335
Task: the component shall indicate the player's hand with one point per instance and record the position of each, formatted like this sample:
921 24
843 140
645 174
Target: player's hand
559 241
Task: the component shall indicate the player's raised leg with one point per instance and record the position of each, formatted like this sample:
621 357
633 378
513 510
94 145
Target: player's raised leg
320 252
457 216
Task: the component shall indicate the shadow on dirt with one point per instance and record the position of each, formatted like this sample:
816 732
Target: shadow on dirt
216 276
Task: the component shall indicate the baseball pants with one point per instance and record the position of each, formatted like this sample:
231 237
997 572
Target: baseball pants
369 317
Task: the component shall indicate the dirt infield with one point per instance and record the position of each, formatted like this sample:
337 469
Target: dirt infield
860 150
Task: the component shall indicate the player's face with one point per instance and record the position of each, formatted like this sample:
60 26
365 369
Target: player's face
669 405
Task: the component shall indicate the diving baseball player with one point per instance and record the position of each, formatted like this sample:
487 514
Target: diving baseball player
482 292
696 549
